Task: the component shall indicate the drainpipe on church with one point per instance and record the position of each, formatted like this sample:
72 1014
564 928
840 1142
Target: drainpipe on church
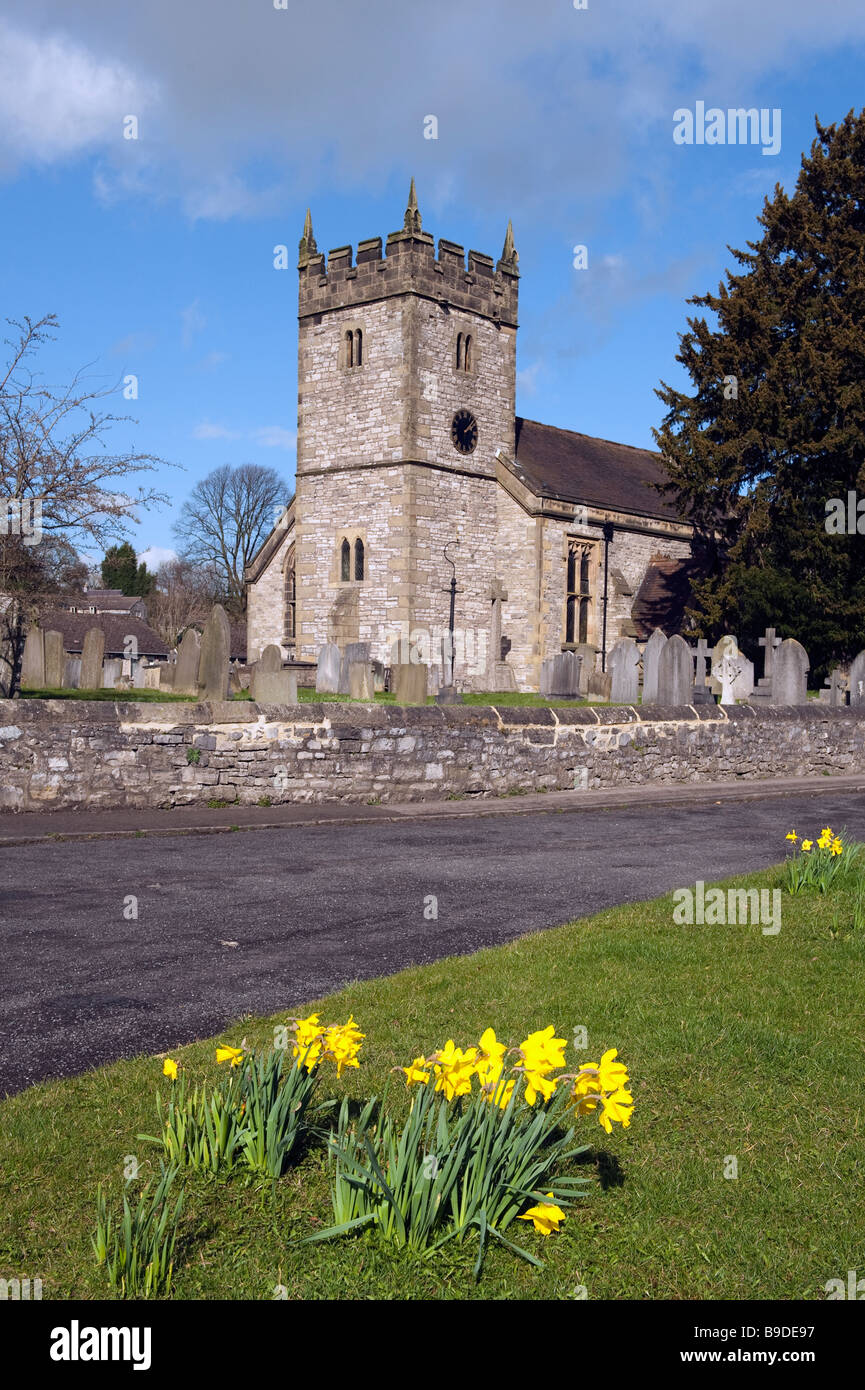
607 532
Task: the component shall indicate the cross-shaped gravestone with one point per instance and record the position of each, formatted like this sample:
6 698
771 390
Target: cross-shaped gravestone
770 642
498 595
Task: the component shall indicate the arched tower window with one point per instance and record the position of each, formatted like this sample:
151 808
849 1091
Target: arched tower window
345 562
358 558
459 352
467 354
358 348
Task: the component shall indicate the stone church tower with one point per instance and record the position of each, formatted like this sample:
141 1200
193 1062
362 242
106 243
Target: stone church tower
408 443
406 389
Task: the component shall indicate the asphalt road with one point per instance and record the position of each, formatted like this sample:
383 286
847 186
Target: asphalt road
265 920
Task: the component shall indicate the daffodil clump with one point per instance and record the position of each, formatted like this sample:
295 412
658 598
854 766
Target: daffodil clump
489 1131
256 1115
818 862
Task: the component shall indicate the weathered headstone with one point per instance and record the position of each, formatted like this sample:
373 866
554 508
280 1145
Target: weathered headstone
701 694
55 659
188 660
378 676
728 645
112 670
600 687
215 648
72 672
790 674
560 676
651 656
623 664
409 682
857 679
762 692
361 685
354 651
588 656
500 675
33 660
743 683
327 673
268 664
92 656
725 672
275 688
675 673
165 673
834 692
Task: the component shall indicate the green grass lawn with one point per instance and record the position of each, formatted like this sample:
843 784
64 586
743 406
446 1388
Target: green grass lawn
737 1044
304 694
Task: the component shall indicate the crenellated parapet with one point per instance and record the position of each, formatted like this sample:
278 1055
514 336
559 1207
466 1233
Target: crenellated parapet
407 264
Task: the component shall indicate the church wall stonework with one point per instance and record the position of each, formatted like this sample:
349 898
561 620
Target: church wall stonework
265 610
108 756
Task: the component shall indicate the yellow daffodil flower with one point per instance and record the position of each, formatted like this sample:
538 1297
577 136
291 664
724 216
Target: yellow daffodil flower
229 1054
539 1085
414 1073
454 1069
617 1107
807 844
169 1068
836 847
612 1075
546 1216
586 1091
791 836
828 832
542 1051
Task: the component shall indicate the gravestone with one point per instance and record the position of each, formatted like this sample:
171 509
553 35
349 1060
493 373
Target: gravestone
701 694
112 670
743 683
378 676
624 668
600 687
763 689
725 672
92 656
275 688
500 675
188 659
268 664
790 674
651 657
33 660
588 656
728 645
55 659
361 685
213 662
72 672
675 673
561 675
166 673
354 651
408 681
834 693
857 680
327 672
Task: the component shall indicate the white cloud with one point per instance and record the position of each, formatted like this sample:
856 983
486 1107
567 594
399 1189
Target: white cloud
193 322
207 430
57 98
156 555
275 437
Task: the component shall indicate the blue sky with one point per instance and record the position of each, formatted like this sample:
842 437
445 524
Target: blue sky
156 254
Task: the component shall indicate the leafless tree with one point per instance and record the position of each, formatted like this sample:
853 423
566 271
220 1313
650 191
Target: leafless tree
183 596
226 519
53 459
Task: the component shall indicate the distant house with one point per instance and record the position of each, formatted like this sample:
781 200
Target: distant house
104 601
126 635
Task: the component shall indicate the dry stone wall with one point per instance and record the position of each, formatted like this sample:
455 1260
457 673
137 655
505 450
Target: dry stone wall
104 755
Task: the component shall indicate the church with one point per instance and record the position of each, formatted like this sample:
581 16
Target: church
414 470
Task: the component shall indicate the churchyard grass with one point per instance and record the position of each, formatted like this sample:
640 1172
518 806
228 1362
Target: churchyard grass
739 1045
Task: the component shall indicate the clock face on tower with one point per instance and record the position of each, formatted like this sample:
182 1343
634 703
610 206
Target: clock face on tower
464 431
